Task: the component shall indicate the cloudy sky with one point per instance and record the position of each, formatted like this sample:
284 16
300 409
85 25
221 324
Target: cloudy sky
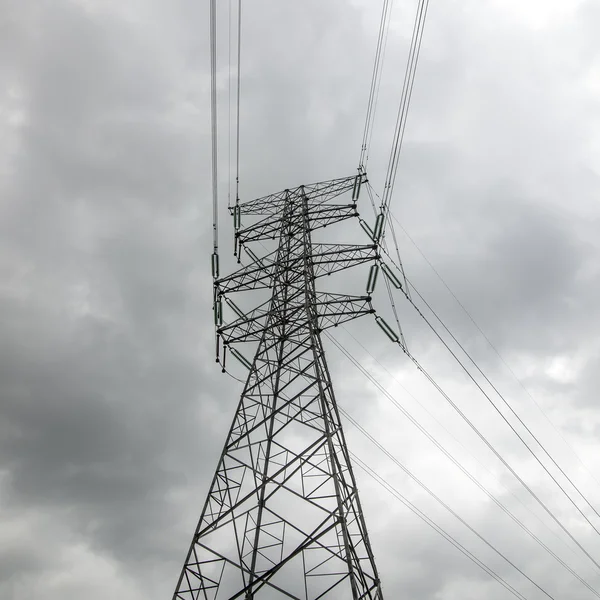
112 411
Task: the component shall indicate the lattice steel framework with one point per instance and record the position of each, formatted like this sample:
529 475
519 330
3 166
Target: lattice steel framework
283 518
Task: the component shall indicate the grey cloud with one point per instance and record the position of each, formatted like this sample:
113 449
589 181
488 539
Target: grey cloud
112 412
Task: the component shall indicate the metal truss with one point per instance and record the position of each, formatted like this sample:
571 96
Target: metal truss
283 518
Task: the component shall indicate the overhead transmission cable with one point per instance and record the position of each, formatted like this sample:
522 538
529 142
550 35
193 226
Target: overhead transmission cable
407 289
213 118
494 349
437 528
387 194
405 98
375 82
457 463
239 86
494 405
409 76
229 38
478 433
508 405
429 491
492 448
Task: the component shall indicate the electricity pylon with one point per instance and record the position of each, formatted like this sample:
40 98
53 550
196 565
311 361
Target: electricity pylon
283 518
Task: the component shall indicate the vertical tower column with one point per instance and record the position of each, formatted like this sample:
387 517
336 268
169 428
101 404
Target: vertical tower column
282 518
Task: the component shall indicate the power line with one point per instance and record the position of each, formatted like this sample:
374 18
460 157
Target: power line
470 376
500 458
495 350
507 404
229 38
405 98
457 463
374 441
214 259
480 435
494 405
239 85
375 82
394 492
213 117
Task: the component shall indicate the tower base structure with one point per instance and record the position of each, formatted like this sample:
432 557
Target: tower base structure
283 517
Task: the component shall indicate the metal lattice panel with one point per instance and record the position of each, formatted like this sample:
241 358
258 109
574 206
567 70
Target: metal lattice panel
282 518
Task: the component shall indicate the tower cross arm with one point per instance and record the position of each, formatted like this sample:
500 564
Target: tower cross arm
334 309
320 216
316 194
250 277
331 258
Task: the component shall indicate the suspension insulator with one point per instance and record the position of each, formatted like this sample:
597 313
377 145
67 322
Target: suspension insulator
215 265
372 280
237 217
366 228
387 329
378 227
391 276
356 188
218 311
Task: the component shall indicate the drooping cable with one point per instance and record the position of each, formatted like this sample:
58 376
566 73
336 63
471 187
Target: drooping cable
419 513
494 349
213 118
377 91
480 435
405 350
229 105
501 458
405 98
239 86
213 124
495 406
457 463
375 81
508 405
431 493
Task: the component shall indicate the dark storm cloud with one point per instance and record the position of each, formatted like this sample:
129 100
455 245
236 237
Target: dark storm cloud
102 355
112 414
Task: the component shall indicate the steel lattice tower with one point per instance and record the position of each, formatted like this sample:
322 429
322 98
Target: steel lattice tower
283 518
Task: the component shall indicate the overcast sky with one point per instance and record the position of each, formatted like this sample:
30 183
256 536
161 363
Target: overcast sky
112 411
